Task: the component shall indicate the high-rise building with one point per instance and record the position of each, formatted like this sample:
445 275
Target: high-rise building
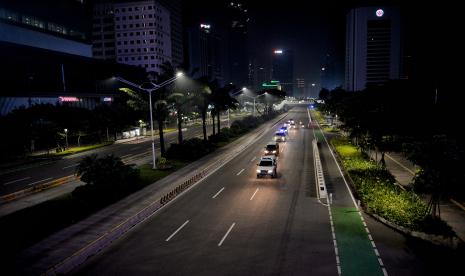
207 52
175 8
258 74
283 69
237 16
103 31
301 88
373 47
140 34
61 26
47 49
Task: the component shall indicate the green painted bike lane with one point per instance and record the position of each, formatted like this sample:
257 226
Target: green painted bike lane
356 252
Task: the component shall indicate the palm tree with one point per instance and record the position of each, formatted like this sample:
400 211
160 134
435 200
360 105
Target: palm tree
201 101
222 101
161 103
180 98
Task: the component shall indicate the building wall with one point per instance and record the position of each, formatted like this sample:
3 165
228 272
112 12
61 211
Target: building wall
103 32
373 47
23 36
142 34
207 52
177 34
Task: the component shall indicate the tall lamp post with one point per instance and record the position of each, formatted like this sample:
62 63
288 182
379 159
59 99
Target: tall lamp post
254 98
232 95
150 90
66 137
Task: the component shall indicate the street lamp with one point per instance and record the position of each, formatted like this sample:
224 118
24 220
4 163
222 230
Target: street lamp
232 95
66 137
150 90
254 98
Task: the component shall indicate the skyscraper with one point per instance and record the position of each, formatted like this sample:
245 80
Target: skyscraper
175 8
238 20
282 63
373 47
207 53
301 88
139 35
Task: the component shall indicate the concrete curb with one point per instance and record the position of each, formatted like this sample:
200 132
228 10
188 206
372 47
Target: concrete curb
450 242
78 258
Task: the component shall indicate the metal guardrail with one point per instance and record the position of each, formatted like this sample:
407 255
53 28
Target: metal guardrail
321 191
37 188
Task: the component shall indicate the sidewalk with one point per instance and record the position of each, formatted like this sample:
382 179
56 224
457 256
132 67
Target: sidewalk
403 170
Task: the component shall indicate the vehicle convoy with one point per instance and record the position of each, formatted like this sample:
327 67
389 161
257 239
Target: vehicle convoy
267 166
272 148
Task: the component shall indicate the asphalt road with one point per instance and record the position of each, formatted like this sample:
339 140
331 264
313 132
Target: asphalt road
36 174
235 224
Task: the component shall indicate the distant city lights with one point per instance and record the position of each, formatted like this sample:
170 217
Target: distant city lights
205 26
379 13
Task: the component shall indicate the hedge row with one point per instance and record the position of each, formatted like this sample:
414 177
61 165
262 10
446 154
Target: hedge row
376 189
195 148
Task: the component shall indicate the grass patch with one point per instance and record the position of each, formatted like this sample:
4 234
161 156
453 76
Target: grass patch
376 189
74 150
149 175
319 117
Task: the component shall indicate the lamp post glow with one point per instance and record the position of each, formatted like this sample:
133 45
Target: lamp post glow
254 98
66 137
156 86
233 94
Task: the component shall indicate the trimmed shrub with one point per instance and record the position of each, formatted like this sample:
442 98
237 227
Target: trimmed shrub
376 188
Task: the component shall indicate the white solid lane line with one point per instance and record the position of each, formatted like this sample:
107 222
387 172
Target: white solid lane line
254 194
17 180
43 180
70 166
218 193
227 233
179 229
240 172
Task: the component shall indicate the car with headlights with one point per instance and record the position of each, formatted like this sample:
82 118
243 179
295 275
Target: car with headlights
267 166
272 148
280 136
284 128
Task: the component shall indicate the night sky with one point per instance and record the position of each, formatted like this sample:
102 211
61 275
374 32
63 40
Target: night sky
313 29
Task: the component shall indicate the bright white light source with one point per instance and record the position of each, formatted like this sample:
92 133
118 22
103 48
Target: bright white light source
278 51
379 13
205 26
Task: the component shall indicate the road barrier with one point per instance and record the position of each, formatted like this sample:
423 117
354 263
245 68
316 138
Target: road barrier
37 188
320 180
